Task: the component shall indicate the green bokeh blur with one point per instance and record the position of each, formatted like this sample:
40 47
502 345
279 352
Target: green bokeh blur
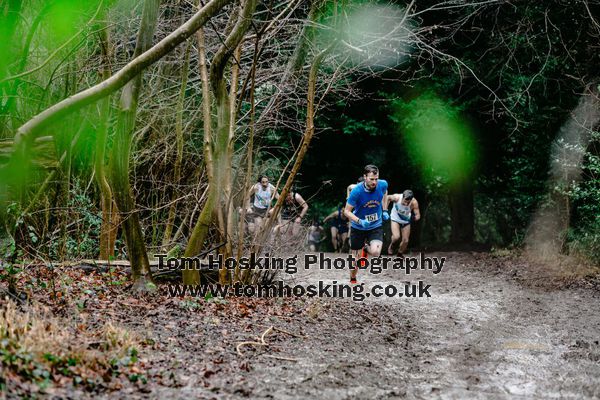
66 17
30 33
439 141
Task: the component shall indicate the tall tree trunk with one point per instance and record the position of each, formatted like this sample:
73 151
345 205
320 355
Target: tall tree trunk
119 168
192 277
63 214
306 139
298 58
227 227
217 162
249 156
109 225
228 190
305 40
222 139
178 149
462 215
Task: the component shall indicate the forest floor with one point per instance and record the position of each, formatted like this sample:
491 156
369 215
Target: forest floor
495 326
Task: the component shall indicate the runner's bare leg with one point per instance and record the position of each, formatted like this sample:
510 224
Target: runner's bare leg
405 237
395 236
334 238
374 248
354 268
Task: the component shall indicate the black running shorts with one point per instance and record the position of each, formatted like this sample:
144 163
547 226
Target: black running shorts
358 237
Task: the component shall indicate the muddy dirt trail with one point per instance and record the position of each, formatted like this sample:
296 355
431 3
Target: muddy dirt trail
492 329
481 334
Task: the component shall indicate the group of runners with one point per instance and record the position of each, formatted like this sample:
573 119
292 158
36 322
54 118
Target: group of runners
367 209
360 218
259 205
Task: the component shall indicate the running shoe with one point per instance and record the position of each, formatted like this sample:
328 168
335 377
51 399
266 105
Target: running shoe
363 254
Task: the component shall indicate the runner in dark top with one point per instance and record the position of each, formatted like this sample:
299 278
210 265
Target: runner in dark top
293 210
339 228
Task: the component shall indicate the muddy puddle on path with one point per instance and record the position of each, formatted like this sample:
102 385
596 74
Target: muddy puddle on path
479 335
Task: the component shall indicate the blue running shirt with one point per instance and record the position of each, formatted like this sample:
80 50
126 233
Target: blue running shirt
368 205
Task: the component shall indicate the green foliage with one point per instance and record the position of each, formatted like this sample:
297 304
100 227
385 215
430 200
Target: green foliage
583 237
190 304
41 370
84 230
9 272
129 359
584 241
352 126
320 208
65 17
175 252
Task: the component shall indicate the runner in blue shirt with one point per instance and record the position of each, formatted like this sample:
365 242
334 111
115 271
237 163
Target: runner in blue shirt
364 209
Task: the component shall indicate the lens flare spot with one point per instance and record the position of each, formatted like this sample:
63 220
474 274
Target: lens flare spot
438 140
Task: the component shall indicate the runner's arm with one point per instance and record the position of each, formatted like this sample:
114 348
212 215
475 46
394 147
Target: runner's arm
332 215
274 190
349 189
392 198
303 204
249 197
385 201
416 210
349 214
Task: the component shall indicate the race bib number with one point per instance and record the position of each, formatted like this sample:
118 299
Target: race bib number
372 217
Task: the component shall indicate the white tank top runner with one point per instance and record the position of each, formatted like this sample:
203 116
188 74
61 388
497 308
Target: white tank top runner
400 212
262 198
